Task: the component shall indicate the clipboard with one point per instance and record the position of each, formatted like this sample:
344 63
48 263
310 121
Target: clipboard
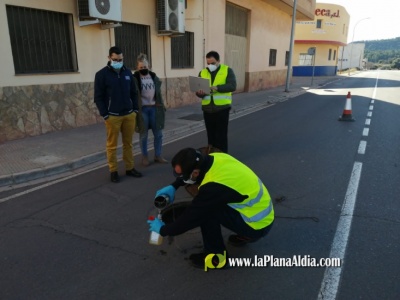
198 83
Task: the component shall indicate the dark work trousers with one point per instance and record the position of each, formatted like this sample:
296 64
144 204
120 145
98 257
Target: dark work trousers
217 128
231 219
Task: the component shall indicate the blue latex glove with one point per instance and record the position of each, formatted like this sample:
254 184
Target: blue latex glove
169 191
155 225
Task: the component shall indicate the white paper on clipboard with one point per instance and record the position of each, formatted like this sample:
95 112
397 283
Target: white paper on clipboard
198 83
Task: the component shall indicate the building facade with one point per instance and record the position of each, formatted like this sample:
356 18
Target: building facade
351 56
52 50
317 42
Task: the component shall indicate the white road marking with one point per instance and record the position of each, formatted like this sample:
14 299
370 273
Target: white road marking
372 101
365 132
371 107
330 282
369 114
362 147
368 122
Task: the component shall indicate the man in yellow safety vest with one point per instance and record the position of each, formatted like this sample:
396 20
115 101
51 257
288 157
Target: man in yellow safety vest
230 194
216 103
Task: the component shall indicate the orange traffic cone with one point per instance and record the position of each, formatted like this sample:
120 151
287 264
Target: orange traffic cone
347 115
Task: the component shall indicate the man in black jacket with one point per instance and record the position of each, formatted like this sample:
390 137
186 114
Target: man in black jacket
116 97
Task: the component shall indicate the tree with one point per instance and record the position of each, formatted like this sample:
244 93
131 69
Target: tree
396 63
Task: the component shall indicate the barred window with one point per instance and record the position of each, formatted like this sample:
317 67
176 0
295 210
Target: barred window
133 39
319 23
182 51
42 41
272 57
236 20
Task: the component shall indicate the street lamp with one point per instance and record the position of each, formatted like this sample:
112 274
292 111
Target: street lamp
352 39
291 46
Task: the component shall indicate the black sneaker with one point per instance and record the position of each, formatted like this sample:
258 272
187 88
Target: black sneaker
114 176
198 261
240 240
133 173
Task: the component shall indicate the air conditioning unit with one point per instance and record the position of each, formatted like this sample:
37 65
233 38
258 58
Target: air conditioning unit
91 10
170 16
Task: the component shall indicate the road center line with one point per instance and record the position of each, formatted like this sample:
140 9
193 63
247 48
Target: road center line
330 282
362 147
368 122
369 114
365 132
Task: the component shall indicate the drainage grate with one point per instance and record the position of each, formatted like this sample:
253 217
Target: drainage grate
193 117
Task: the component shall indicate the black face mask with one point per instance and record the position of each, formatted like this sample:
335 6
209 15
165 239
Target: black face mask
144 71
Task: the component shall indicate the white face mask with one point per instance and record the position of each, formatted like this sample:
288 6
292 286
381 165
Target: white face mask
211 67
189 181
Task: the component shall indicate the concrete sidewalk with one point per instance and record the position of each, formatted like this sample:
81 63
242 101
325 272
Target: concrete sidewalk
70 151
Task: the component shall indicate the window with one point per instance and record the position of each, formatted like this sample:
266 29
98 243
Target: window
182 51
42 41
330 54
287 58
305 59
334 54
319 23
133 39
236 19
272 57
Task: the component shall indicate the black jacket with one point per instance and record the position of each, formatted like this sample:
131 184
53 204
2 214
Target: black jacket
212 199
115 93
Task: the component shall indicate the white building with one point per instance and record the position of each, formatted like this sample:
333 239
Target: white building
351 56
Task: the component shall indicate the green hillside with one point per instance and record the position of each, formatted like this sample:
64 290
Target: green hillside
383 51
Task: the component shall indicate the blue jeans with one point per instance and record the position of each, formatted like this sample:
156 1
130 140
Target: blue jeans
149 121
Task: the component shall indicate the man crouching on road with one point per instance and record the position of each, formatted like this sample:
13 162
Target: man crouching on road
230 194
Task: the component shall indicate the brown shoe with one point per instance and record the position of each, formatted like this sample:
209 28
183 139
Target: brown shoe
160 159
145 161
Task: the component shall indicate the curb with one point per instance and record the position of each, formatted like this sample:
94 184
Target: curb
23 177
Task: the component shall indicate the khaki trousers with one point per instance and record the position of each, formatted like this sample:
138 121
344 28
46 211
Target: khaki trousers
126 125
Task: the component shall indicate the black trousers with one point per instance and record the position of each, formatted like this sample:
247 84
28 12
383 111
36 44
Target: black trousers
231 219
217 128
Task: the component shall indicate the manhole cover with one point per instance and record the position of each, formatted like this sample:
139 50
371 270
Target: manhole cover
193 117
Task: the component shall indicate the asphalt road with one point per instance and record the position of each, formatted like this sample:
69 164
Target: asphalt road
86 238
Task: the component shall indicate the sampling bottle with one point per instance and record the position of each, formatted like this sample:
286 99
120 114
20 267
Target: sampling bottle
155 238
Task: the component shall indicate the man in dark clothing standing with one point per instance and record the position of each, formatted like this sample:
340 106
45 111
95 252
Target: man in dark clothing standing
217 102
116 97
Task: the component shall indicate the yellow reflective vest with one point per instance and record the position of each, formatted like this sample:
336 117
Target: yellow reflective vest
257 210
220 78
